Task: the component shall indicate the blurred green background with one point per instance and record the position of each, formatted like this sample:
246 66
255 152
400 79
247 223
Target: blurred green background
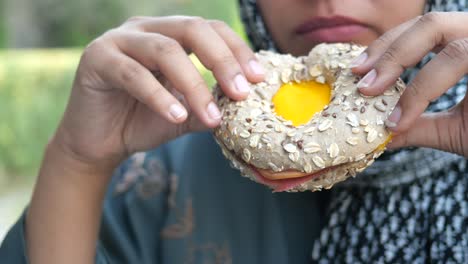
40 45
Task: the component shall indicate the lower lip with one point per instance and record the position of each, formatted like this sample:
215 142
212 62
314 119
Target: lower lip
344 33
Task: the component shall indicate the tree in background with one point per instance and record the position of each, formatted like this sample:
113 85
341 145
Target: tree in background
60 23
2 25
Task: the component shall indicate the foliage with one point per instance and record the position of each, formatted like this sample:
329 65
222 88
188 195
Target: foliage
3 32
34 86
75 23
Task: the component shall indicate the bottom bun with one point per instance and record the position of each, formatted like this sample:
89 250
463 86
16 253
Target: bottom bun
323 179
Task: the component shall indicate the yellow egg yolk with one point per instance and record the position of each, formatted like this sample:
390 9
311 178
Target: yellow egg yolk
383 145
299 101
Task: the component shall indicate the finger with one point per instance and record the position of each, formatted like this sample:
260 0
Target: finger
193 123
251 67
432 130
197 35
132 77
441 73
366 60
414 137
410 47
158 52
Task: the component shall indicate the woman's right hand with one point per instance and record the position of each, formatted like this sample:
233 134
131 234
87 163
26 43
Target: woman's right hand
136 87
125 99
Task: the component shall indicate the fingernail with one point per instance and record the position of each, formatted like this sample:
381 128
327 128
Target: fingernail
367 80
213 111
256 67
394 118
177 111
358 60
241 84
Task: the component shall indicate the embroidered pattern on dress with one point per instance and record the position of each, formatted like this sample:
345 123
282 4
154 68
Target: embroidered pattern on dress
184 228
173 186
211 253
184 225
145 172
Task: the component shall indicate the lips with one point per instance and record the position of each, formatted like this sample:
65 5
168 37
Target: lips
330 29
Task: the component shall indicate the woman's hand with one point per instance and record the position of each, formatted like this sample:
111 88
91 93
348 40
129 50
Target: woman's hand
136 87
386 59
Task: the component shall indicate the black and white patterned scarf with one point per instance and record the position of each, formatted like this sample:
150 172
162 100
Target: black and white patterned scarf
411 205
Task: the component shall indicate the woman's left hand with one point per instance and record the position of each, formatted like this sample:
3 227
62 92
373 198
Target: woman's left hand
386 59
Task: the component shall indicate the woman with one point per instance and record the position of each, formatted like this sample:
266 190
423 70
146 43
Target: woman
182 203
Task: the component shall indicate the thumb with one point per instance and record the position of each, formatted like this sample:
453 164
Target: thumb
433 130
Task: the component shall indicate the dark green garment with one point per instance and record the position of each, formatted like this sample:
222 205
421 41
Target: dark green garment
182 203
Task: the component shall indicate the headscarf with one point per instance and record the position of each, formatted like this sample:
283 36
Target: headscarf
260 38
411 205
